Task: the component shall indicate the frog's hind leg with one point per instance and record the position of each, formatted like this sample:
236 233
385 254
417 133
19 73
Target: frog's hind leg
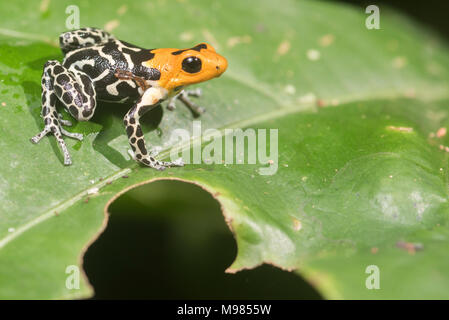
81 38
77 94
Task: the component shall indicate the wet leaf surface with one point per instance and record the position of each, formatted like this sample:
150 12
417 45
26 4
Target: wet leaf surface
360 178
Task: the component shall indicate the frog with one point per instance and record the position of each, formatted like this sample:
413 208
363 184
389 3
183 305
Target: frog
98 67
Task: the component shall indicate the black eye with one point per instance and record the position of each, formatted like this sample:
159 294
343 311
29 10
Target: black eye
191 64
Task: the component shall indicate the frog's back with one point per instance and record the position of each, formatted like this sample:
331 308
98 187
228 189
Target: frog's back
101 61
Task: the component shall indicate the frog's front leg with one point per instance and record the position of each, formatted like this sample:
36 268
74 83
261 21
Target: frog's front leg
128 75
77 94
150 99
183 96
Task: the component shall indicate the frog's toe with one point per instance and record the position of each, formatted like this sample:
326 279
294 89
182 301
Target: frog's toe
73 135
57 133
67 161
64 122
193 107
160 165
200 110
40 135
155 151
195 93
177 163
171 105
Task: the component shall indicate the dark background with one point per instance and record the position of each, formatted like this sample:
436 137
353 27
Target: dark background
174 244
434 14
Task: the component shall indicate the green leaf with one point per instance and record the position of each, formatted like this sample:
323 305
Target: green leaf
359 181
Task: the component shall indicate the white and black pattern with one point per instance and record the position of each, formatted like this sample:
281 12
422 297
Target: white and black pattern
111 56
97 66
59 83
84 37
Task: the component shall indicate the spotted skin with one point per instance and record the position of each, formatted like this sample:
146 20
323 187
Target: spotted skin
59 83
84 37
97 66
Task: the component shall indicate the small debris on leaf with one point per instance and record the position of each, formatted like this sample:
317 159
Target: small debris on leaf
400 129
410 247
290 89
326 40
233 41
441 132
313 55
307 98
93 191
297 225
111 25
284 47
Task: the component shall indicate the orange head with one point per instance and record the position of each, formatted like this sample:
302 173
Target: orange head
180 68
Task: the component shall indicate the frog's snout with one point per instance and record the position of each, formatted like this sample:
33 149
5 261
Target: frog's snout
222 65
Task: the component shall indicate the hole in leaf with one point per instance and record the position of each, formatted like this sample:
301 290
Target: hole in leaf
169 240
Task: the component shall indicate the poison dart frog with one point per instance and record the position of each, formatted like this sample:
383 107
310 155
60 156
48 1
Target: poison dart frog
97 66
